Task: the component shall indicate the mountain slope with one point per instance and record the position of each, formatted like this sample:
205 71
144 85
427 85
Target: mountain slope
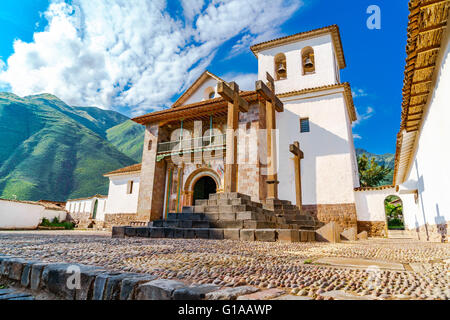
49 150
128 138
387 160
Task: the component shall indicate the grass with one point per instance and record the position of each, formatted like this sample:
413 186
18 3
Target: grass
2 286
56 223
309 261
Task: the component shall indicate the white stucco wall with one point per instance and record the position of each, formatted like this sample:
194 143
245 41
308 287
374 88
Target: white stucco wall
370 204
21 215
118 199
327 169
430 171
200 93
87 206
325 64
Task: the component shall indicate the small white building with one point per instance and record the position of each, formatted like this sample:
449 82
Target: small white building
123 195
28 214
87 212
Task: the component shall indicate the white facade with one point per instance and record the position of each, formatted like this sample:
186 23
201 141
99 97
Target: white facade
25 215
429 173
370 204
328 170
203 91
86 206
326 70
119 198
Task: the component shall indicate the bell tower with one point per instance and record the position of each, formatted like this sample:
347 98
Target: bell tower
304 60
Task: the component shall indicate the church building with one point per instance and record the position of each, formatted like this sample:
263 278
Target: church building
289 139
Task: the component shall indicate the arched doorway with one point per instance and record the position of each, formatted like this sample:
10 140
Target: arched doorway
204 187
393 207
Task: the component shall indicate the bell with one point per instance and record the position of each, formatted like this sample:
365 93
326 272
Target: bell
308 63
281 71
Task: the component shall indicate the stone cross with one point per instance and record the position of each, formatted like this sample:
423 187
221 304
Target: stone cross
298 156
235 104
267 93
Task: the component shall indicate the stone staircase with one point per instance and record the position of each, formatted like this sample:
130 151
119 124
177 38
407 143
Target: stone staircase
232 216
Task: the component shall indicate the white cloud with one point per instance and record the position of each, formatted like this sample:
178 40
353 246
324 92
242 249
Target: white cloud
132 53
357 93
246 81
363 116
356 136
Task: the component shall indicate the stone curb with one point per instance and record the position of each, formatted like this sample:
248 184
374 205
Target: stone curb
96 283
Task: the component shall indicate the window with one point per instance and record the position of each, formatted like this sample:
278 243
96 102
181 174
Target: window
304 125
209 93
308 61
130 187
280 67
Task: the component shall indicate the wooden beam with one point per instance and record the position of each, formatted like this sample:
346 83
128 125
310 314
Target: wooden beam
267 94
228 93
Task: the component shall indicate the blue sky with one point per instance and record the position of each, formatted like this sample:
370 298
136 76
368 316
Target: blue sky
375 58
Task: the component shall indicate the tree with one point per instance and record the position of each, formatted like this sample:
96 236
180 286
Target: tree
370 172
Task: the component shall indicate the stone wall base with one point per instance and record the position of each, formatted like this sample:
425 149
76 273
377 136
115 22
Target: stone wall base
373 228
118 219
432 233
343 214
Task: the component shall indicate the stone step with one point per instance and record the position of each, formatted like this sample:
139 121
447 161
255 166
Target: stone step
243 234
230 195
187 209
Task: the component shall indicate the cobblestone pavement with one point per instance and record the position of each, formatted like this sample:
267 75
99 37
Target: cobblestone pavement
288 266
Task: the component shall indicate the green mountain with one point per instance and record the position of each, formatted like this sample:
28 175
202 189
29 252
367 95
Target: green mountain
49 150
128 138
387 160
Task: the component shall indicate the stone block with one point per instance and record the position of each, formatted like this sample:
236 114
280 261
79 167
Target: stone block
216 234
36 273
188 234
157 233
118 232
54 279
87 278
230 293
186 224
220 224
331 232
247 235
15 268
26 274
111 290
349 234
130 232
161 289
267 235
194 292
169 233
211 216
303 235
246 215
143 232
311 236
201 233
130 284
288 235
179 233
231 234
227 216
362 235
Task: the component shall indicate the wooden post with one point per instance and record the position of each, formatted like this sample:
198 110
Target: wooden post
298 156
267 93
235 104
